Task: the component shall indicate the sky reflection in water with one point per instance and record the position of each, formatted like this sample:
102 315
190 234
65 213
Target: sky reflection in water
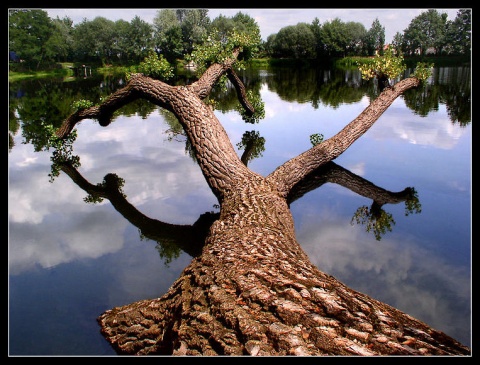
69 261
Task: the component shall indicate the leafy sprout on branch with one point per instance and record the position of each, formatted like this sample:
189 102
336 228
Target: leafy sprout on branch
63 151
316 138
391 66
258 105
217 49
423 71
81 104
154 66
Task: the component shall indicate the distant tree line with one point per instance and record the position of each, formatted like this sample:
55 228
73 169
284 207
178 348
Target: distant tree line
39 41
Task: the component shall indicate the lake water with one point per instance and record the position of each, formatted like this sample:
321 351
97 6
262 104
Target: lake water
69 260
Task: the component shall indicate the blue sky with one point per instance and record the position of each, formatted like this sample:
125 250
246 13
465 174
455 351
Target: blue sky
271 20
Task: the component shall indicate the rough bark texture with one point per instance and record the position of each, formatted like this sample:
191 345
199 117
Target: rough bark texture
252 290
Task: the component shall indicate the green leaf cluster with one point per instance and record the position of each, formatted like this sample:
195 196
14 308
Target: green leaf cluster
390 65
155 66
81 104
316 138
376 222
63 152
423 71
108 180
258 106
216 48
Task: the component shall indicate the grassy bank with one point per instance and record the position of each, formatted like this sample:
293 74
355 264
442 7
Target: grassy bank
65 69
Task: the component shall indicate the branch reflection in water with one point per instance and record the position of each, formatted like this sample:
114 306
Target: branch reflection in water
171 238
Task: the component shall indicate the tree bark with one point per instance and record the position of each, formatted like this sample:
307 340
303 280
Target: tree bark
253 290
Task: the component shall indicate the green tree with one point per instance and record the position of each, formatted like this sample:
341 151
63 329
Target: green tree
165 19
355 33
194 24
168 34
252 144
29 32
334 38
95 40
139 38
458 35
374 39
316 28
425 32
269 44
397 42
295 41
223 26
177 30
239 23
390 67
60 44
121 43
155 66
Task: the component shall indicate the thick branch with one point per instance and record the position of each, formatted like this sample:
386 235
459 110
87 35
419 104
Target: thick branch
103 112
204 85
294 170
138 87
214 152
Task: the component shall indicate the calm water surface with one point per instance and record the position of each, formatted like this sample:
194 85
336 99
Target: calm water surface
70 260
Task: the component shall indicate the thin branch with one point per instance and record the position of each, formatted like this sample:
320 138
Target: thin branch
240 88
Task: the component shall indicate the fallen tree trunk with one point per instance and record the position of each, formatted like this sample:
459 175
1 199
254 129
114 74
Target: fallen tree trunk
253 290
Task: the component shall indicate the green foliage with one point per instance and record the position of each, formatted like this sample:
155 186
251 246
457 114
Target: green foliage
316 138
258 105
376 220
168 251
29 32
63 152
425 31
253 144
155 66
108 180
390 65
40 41
81 104
334 38
351 62
217 49
95 39
374 39
412 204
458 37
423 71
295 41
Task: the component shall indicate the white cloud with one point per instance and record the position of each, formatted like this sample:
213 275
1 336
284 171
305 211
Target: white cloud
48 225
418 130
399 272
